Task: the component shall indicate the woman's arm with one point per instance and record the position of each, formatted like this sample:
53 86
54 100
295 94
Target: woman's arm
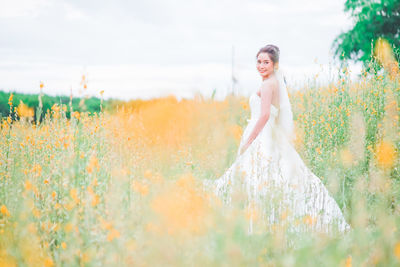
267 88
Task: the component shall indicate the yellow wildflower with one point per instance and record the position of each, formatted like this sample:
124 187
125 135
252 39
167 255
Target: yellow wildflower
93 163
236 131
36 212
24 111
348 261
76 114
28 185
68 227
113 234
141 188
396 250
48 262
95 200
10 99
310 220
385 154
74 195
4 210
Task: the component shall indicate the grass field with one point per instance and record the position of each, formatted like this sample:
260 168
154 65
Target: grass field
122 187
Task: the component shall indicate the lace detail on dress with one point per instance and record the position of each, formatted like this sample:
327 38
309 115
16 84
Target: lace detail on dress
278 187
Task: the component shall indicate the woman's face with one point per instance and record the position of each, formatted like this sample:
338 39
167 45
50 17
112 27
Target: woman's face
265 65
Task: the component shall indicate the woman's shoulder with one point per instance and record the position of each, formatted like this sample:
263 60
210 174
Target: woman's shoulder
271 82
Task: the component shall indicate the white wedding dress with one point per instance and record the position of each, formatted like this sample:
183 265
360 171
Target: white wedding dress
278 188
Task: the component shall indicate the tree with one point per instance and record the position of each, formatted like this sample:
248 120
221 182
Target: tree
373 19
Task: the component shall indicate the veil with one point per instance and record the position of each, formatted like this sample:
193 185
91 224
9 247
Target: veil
285 118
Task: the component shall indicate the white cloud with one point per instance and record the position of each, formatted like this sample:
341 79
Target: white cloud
21 8
73 13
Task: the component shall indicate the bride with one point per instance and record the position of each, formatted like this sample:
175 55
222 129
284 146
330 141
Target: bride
278 187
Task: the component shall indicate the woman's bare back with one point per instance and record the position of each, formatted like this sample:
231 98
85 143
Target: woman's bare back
275 95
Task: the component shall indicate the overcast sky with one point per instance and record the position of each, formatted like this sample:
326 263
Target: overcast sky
150 48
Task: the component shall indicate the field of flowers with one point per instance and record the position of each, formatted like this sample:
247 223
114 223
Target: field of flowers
122 187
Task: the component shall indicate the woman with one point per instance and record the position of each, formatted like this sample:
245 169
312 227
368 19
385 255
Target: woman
279 188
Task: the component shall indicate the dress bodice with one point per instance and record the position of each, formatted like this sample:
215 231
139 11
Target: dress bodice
271 125
255 108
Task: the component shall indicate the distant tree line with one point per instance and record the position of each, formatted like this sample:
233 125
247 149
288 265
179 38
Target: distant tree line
31 102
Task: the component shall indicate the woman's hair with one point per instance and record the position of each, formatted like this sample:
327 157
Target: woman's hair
272 50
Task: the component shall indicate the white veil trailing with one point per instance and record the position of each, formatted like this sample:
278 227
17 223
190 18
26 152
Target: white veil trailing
285 118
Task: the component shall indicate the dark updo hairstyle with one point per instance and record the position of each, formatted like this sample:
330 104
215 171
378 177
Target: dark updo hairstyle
273 52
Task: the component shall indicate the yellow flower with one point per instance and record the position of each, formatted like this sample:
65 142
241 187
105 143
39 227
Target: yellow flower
68 227
93 163
48 262
251 212
236 131
310 220
55 107
348 261
396 250
141 188
113 234
105 224
245 105
36 213
4 210
10 99
76 114
28 185
95 200
74 195
24 111
64 245
385 154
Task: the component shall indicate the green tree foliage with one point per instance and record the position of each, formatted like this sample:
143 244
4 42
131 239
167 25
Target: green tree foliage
373 19
91 104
